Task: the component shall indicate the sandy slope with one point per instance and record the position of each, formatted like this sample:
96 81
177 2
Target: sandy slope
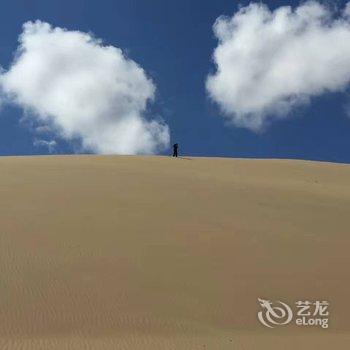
162 253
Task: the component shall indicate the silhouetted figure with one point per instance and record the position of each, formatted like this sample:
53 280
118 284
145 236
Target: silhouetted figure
175 148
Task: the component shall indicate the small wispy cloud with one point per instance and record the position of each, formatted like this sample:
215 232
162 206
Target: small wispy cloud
49 144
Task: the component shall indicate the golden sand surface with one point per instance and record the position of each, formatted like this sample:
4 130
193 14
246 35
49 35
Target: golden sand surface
119 252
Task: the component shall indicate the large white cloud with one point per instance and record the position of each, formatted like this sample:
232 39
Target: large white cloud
82 89
267 62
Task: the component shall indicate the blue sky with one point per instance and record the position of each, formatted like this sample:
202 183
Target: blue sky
173 41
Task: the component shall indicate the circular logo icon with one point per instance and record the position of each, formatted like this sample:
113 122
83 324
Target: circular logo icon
274 315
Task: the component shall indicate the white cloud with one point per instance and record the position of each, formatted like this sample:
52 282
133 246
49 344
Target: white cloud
268 62
82 89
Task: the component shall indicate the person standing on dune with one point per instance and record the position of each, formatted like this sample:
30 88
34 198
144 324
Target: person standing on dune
175 148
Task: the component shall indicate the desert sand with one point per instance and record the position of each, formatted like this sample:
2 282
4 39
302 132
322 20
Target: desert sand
117 252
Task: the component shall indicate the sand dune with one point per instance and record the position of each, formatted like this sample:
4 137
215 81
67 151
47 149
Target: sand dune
161 253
